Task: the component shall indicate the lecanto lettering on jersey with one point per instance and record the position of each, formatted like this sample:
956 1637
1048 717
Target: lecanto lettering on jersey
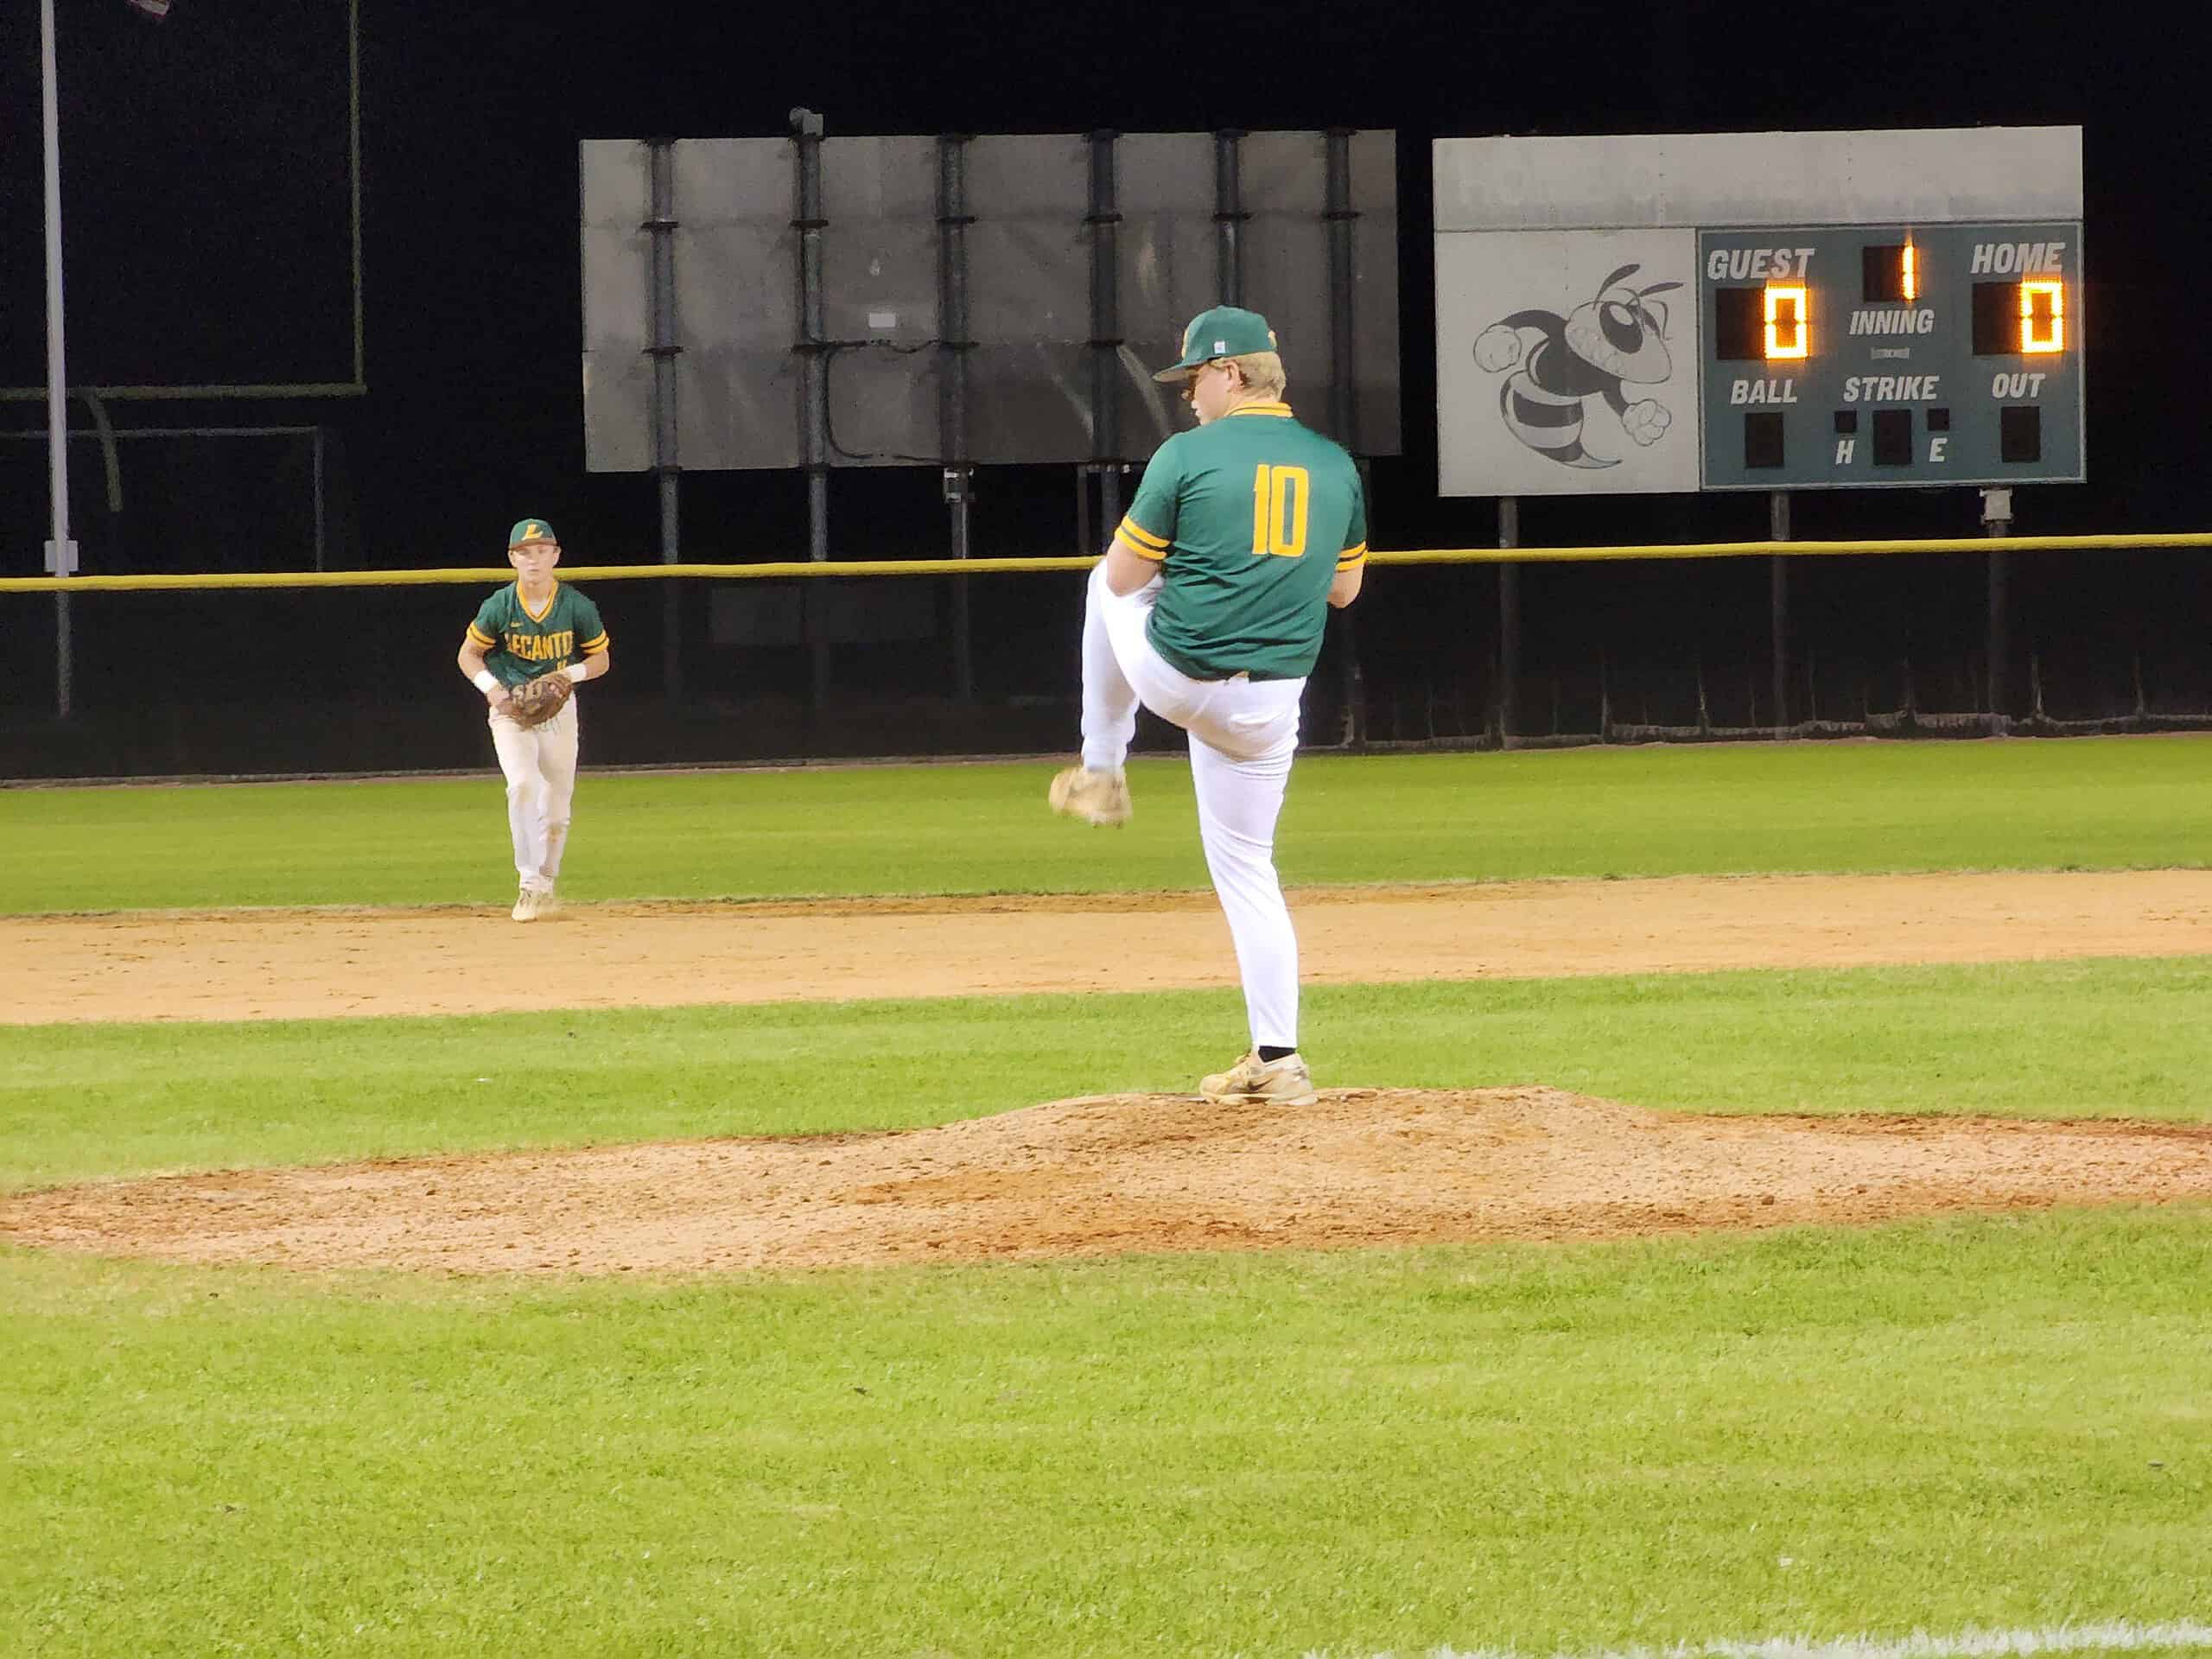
541 647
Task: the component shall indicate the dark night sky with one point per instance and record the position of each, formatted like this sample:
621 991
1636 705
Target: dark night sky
204 171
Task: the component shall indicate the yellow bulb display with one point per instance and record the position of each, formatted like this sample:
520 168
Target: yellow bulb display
1911 276
1789 330
2043 317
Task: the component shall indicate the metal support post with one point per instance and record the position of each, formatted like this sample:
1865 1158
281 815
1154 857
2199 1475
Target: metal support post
1104 220
814 360
1777 512
1508 622
1342 221
320 516
1997 523
1343 404
1228 214
660 228
953 219
61 551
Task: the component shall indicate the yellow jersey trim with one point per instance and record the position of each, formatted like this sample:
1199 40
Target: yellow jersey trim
1280 412
1350 556
1155 553
478 636
551 593
593 647
1139 534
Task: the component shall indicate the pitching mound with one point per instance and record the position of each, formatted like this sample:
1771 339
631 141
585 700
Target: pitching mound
1119 1173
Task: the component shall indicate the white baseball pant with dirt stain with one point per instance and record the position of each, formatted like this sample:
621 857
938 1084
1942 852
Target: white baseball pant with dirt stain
1242 734
540 764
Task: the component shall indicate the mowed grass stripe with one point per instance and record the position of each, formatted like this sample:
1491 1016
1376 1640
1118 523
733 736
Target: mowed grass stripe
2106 803
1572 1449
2111 1636
2084 1038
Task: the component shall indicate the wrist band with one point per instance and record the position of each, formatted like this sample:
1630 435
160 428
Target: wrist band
483 679
578 673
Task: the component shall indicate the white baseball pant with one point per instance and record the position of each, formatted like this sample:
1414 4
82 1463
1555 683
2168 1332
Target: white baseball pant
540 764
1242 734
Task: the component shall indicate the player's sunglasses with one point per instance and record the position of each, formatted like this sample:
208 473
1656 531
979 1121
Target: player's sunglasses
1191 376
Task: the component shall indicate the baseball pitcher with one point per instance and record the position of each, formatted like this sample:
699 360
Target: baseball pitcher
1209 608
531 645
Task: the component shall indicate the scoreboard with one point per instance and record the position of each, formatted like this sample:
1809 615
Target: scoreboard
1867 355
1668 313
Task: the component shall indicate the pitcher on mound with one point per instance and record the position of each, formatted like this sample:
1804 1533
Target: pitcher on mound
1209 608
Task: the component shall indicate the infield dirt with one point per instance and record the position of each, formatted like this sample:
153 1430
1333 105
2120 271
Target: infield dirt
1107 1174
306 964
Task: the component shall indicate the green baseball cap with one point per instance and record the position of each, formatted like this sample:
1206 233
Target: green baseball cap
1225 331
531 530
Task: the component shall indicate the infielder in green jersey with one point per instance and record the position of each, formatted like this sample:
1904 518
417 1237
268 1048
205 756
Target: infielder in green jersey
1208 608
535 626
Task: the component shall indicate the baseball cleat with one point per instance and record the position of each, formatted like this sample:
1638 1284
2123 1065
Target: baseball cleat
1285 1082
529 905
1098 797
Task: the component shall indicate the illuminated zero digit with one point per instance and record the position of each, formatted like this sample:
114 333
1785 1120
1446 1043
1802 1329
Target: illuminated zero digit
1787 320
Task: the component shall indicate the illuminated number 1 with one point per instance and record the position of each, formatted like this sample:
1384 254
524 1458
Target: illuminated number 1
1280 495
2043 316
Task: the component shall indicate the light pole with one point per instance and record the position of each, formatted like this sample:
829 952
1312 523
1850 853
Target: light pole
60 552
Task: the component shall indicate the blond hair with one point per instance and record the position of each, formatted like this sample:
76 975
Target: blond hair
1261 371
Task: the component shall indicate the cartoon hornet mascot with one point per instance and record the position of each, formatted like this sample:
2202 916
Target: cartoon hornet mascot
1616 341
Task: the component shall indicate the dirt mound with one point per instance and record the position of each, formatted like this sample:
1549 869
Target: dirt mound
1110 1174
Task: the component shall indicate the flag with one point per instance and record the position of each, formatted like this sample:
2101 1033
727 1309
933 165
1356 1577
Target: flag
156 9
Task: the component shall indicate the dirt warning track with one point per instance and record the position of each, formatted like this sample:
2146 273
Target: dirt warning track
311 964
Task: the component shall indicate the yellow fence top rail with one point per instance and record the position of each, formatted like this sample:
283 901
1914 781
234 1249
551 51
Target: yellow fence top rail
493 577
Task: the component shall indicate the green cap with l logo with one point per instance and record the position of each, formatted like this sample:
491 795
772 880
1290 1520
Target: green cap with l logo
1225 331
531 530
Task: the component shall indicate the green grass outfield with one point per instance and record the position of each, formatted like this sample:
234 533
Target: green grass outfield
1993 1423
1998 1423
2085 803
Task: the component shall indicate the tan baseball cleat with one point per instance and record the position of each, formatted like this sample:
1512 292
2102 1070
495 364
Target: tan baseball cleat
1098 797
1285 1082
529 905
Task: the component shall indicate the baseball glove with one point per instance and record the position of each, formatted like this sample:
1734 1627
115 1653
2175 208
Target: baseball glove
535 701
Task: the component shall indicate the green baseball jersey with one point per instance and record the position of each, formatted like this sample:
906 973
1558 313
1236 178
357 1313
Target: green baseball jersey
1251 517
520 644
